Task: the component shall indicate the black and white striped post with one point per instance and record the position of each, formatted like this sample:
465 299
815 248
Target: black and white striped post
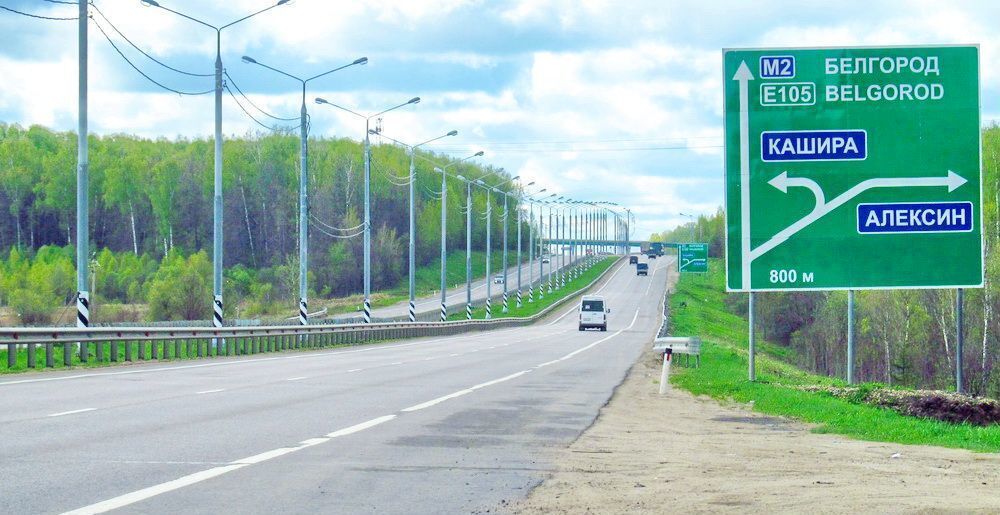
413 311
368 311
468 311
489 308
303 312
218 344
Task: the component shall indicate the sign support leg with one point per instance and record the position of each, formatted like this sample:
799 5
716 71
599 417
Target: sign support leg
959 340
753 346
850 336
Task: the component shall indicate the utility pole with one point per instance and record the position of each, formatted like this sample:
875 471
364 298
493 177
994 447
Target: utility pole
82 194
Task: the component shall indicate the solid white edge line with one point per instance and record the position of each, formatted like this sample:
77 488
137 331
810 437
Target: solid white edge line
299 378
360 427
204 475
439 400
203 392
71 412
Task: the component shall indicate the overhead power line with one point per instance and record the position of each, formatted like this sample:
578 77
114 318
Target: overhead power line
38 16
265 113
258 122
141 51
147 77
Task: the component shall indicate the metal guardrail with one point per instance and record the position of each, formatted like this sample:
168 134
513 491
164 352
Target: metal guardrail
129 343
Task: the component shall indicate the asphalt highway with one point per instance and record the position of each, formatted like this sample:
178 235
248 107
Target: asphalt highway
434 425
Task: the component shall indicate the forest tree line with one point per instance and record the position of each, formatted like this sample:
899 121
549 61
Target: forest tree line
151 216
903 337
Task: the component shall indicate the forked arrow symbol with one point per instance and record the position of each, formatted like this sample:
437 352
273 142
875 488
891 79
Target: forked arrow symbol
952 181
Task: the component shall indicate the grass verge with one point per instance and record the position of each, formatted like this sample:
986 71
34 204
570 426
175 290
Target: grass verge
697 309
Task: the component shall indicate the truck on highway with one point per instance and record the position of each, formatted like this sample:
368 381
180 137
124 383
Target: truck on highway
593 313
656 248
642 269
633 260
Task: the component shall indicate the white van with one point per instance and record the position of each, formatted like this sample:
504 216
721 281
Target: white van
593 312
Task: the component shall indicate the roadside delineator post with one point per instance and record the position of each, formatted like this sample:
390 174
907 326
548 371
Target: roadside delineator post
665 371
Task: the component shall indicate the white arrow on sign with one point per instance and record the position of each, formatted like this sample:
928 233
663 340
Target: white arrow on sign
743 76
952 181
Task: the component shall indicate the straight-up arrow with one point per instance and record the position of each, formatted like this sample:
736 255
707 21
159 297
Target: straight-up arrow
743 76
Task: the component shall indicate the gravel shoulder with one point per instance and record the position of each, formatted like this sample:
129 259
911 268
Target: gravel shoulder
648 453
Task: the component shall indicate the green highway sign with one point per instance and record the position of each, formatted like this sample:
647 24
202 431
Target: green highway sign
853 168
692 257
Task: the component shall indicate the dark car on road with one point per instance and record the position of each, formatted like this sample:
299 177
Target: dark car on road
641 269
633 260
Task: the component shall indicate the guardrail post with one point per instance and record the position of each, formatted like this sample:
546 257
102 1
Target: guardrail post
99 351
68 353
11 355
154 352
114 351
49 355
31 356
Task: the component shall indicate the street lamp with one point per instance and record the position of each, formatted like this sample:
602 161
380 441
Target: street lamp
413 231
531 244
505 218
303 181
368 225
517 219
217 197
694 221
444 232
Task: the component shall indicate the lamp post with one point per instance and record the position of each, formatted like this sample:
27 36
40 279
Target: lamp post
531 247
506 217
217 196
444 231
468 247
304 181
693 224
517 219
368 225
413 245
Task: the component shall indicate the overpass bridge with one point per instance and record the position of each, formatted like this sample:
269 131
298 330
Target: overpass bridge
642 244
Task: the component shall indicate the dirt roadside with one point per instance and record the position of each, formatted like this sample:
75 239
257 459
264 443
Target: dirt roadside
648 453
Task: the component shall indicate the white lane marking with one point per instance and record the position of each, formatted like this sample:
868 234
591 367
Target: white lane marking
152 491
264 456
203 392
438 400
197 477
73 412
592 345
430 358
360 427
397 363
498 381
453 355
355 370
493 347
297 378
471 351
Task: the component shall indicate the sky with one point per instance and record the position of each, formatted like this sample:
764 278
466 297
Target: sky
595 100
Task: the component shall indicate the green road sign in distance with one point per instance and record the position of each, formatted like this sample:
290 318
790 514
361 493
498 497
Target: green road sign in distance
853 168
692 257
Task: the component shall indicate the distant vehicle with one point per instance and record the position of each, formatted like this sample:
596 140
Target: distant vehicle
656 248
651 255
642 269
545 260
593 313
633 260
498 279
